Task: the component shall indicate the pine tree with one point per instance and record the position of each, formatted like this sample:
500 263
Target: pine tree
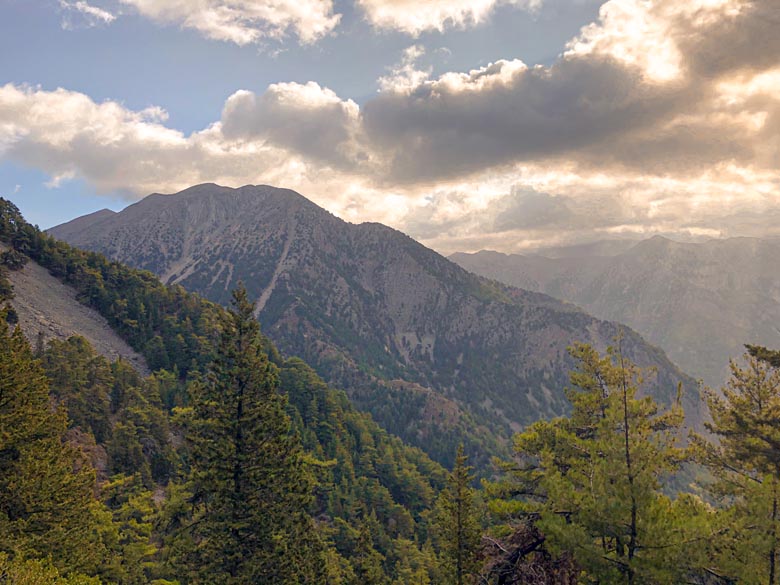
81 381
366 560
593 479
768 356
457 524
132 515
46 499
745 461
414 566
249 482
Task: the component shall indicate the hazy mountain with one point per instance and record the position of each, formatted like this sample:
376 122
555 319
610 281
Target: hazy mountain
699 301
597 248
434 352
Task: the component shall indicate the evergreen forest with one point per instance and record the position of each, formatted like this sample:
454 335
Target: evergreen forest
231 464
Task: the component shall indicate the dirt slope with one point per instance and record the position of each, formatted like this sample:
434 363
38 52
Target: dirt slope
45 304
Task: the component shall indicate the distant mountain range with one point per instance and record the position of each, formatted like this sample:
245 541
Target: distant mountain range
435 353
700 302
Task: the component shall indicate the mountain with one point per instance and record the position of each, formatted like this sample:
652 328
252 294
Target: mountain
436 354
74 227
130 427
700 302
597 248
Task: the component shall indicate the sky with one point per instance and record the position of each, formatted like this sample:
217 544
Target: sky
468 124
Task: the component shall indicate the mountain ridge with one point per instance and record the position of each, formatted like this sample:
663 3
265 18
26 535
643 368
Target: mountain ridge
433 352
700 301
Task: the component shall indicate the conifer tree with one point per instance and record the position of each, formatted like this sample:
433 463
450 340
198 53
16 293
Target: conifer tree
37 572
249 481
745 461
414 566
593 479
457 524
768 356
46 488
366 560
80 380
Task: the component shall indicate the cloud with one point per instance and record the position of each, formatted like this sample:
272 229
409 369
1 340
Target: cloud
66 134
404 75
81 14
464 122
640 89
527 209
656 119
414 18
304 118
485 214
244 21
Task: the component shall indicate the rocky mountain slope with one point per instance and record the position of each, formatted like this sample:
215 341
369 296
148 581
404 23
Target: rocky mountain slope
435 353
700 302
47 307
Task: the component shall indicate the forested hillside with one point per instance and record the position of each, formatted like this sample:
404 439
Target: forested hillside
233 464
368 490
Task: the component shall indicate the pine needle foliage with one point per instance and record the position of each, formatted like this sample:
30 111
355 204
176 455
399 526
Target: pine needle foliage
249 480
744 459
457 524
46 488
592 481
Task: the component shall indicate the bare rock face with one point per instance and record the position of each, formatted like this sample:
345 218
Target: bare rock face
433 352
700 302
46 307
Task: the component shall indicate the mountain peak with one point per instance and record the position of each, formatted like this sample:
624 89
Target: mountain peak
245 193
76 226
424 345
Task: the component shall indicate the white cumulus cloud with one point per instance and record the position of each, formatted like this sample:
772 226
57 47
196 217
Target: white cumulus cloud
304 118
405 75
415 17
244 21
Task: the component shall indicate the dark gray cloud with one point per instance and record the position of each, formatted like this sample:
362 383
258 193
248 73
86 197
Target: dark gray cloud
443 129
595 106
304 118
746 38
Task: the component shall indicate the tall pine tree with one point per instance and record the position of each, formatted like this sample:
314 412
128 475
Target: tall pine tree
46 488
457 524
250 485
745 461
593 479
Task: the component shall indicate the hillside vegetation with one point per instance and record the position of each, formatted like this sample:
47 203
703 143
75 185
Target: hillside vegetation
233 464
